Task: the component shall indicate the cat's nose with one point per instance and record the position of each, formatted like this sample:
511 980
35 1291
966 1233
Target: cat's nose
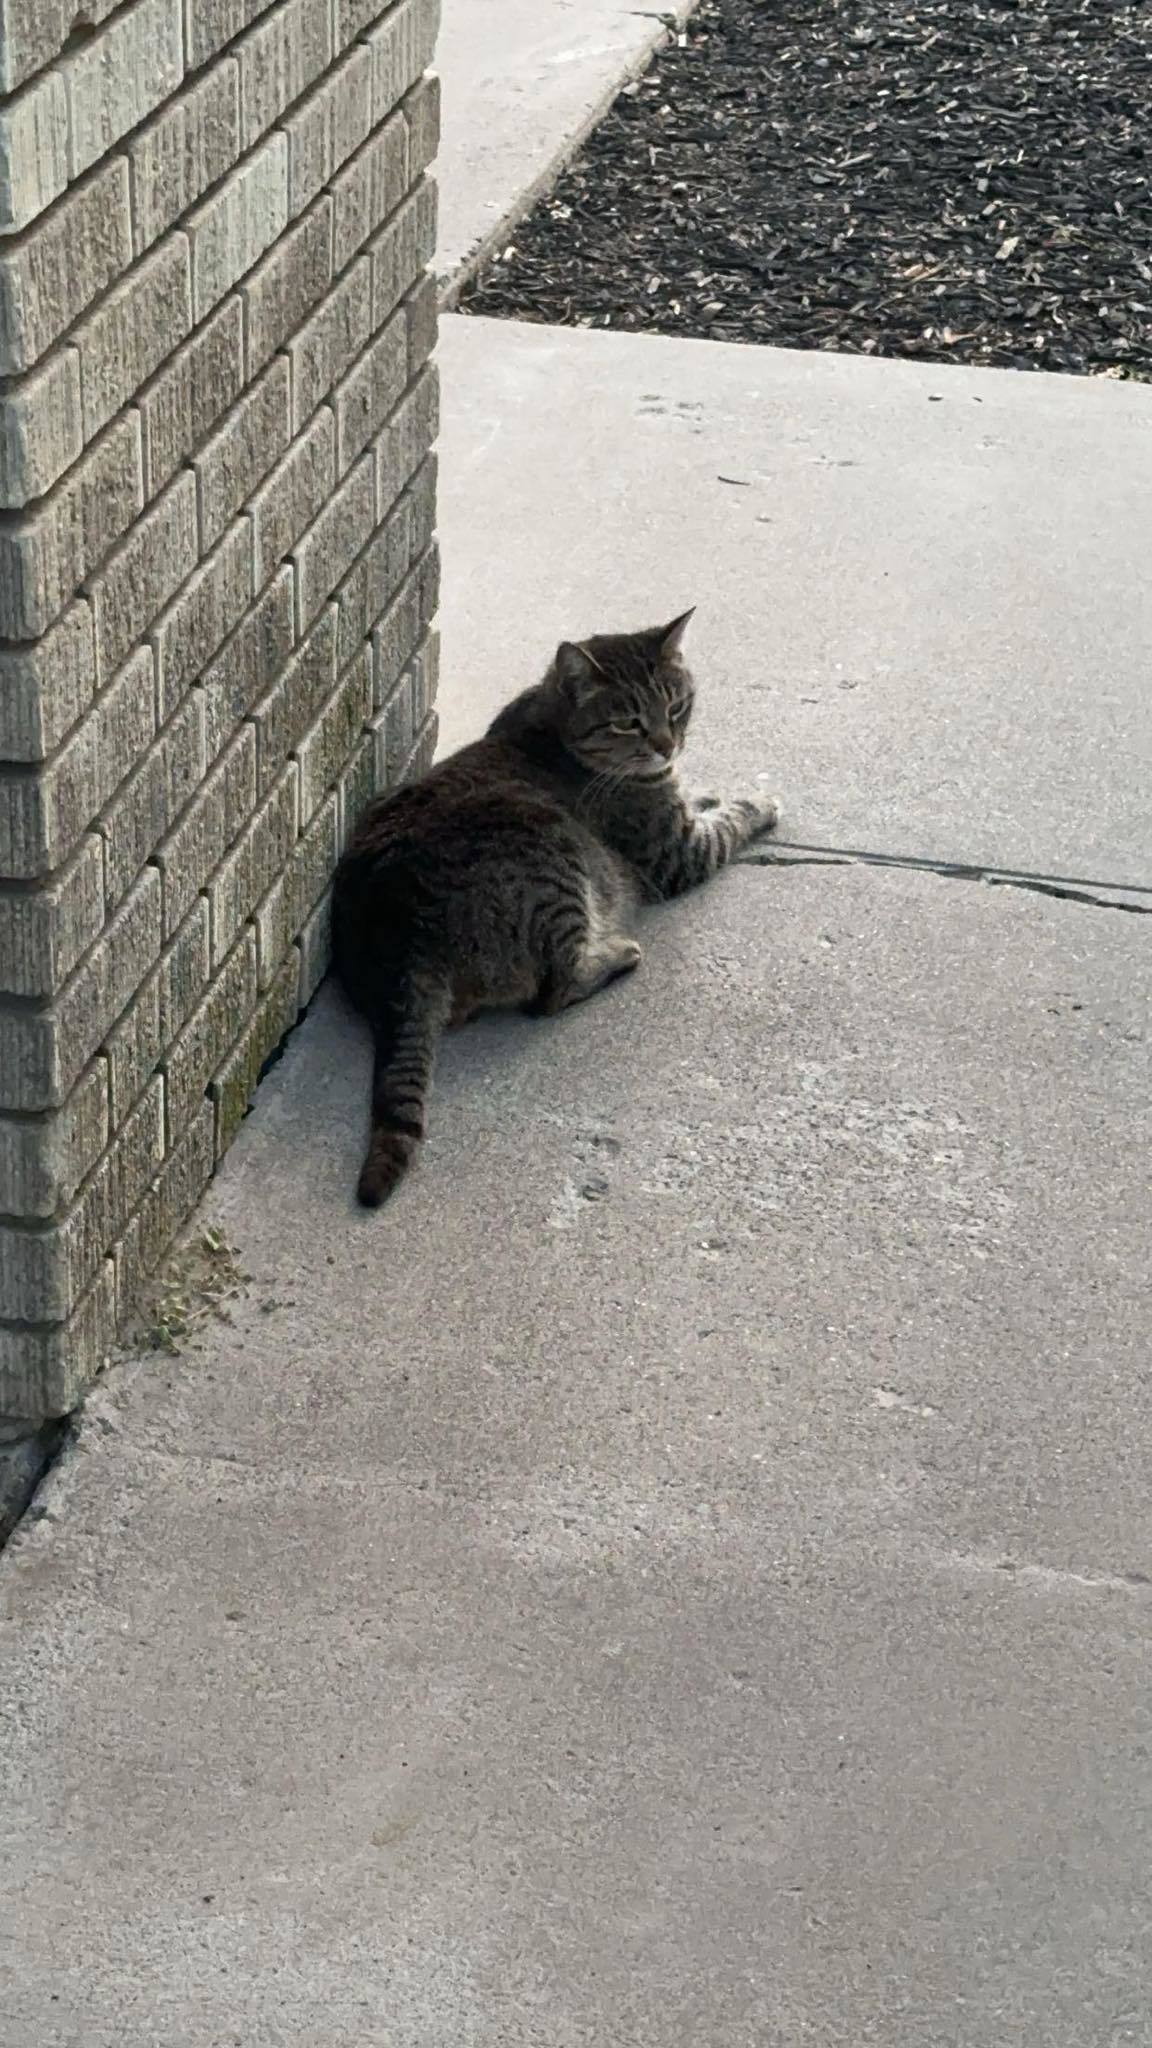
664 744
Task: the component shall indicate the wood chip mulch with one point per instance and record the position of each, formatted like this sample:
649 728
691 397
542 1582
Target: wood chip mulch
947 180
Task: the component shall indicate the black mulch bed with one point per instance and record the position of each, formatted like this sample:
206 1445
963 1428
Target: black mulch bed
945 179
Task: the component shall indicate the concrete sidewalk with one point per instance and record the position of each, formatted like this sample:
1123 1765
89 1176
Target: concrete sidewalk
680 1578
924 601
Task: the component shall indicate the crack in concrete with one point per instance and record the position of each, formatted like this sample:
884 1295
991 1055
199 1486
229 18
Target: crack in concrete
791 853
1055 1577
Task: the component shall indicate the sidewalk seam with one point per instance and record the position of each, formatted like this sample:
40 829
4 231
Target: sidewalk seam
1066 889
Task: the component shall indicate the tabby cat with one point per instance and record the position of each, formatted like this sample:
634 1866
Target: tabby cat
511 873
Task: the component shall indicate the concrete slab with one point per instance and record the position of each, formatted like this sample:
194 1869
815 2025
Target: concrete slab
524 81
925 608
680 1578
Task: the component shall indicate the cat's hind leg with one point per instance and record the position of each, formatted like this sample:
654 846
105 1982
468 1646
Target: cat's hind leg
614 957
593 972
583 953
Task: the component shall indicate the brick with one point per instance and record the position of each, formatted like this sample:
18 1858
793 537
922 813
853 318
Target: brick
424 750
369 188
325 749
421 309
353 16
44 931
402 47
315 943
401 250
283 55
358 786
45 1369
309 131
166 1207
190 852
43 1159
403 626
41 428
395 731
47 553
327 126
231 230
44 1272
293 496
235 1084
332 544
253 436
283 716
429 578
185 966
295 894
46 686
283 290
208 1037
145 571
252 866
394 639
134 329
212 23
422 113
200 619
425 678
372 582
409 434
257 652
329 343
182 153
34 151
134 1045
421 499
191 393
163 1004
53 272
152 798
363 400
117 78
44 814
33 32
43 1051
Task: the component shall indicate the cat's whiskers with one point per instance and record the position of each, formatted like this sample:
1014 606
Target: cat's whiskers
602 784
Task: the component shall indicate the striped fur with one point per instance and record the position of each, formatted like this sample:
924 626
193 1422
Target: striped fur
512 872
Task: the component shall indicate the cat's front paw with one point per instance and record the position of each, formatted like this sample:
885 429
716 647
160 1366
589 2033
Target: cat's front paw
706 803
762 814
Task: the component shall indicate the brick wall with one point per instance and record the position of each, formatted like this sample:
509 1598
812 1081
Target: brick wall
217 576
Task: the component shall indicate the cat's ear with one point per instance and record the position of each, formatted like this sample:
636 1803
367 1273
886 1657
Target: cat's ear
576 669
672 637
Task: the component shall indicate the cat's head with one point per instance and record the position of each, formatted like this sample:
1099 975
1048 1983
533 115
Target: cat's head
622 701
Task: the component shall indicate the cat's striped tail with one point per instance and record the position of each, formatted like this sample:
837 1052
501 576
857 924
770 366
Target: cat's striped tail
406 1024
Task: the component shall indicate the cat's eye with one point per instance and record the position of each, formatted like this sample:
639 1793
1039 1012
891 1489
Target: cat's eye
627 725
